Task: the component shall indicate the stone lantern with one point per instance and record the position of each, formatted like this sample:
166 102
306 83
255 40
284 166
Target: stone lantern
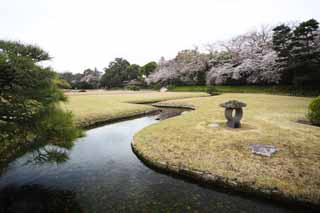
233 121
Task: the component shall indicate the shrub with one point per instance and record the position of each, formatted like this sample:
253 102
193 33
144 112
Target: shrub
155 86
170 87
314 111
133 88
211 90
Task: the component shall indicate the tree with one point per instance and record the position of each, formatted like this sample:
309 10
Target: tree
281 41
133 72
148 68
118 72
188 67
62 84
29 97
298 52
306 53
90 79
68 76
245 59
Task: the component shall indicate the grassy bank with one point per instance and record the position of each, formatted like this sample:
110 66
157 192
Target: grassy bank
187 143
279 90
99 106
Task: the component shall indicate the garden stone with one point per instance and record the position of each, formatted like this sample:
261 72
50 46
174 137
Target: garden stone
262 149
163 89
213 125
230 106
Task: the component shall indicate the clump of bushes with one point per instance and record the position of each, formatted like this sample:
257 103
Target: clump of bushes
133 88
314 111
211 90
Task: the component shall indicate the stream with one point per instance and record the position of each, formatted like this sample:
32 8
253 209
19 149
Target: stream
104 175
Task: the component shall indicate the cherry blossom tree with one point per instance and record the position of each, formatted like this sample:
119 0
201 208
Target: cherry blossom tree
245 59
188 67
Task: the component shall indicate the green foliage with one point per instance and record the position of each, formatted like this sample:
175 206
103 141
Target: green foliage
34 53
118 72
89 79
170 87
211 90
82 85
281 90
133 72
314 111
133 88
298 53
148 68
62 84
72 79
156 86
29 98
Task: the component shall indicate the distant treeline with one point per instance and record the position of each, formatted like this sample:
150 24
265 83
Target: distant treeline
118 74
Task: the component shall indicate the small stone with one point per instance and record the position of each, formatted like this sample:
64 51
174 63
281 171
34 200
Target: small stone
163 89
214 125
262 149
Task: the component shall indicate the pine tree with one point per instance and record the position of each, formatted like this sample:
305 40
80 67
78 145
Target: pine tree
306 53
298 52
282 39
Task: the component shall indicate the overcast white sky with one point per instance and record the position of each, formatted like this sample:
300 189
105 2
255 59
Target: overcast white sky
83 34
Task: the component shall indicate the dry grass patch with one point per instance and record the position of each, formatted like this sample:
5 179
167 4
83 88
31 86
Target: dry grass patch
187 142
98 105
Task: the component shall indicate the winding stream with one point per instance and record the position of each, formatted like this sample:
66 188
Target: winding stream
104 175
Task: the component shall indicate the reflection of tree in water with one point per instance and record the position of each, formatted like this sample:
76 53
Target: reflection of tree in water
37 199
49 154
39 154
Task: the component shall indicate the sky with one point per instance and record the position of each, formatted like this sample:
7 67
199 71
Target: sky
82 34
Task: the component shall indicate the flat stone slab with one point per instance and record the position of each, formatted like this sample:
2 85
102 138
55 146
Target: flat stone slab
214 125
262 149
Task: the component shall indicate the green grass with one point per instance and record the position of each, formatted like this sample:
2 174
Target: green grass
280 90
187 141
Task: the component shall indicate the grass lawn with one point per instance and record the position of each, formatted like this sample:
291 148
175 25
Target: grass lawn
279 90
99 105
186 142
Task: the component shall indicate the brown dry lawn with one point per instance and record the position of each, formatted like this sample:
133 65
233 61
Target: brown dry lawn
186 141
100 105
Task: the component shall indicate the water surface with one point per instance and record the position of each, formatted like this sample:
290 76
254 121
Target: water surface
104 175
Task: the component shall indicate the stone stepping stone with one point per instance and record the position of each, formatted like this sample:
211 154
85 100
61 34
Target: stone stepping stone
214 125
262 149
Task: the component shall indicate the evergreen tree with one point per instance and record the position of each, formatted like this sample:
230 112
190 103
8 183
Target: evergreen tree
29 97
298 52
148 68
118 72
281 40
305 52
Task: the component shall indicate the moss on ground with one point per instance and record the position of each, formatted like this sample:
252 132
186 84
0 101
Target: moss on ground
188 142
